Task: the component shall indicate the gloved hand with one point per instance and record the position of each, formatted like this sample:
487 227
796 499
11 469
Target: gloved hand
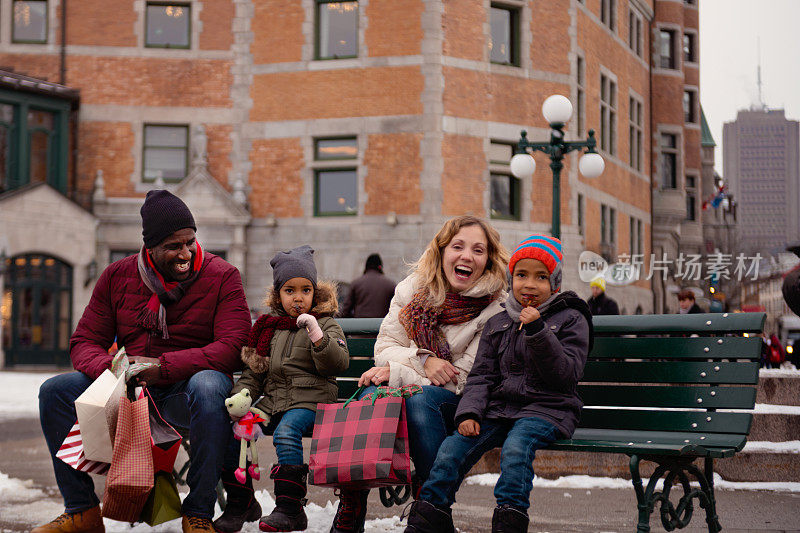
312 327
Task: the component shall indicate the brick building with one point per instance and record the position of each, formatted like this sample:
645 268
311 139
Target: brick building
354 126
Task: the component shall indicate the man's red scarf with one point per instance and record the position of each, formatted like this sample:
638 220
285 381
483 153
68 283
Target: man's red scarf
153 316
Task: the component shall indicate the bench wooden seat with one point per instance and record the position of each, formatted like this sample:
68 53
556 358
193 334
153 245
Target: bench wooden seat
670 389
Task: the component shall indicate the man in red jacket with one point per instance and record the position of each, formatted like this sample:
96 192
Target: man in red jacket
178 307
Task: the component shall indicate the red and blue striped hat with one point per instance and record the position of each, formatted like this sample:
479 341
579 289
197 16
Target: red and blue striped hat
542 247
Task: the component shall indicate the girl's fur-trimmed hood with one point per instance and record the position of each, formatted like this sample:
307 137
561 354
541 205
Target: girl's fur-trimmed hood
326 305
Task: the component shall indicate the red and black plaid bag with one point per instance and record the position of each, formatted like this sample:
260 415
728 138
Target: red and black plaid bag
360 444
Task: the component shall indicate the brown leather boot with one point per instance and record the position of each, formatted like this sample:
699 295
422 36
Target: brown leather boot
194 524
88 521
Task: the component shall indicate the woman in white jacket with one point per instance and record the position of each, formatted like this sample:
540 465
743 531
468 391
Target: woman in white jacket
430 338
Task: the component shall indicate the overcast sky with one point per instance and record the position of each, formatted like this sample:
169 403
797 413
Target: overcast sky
729 33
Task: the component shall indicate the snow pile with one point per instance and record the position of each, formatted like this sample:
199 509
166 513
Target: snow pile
320 519
19 394
589 482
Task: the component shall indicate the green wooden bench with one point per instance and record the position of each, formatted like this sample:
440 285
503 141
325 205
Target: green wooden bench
673 390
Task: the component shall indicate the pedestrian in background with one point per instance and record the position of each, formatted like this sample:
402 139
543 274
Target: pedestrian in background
370 294
600 303
687 304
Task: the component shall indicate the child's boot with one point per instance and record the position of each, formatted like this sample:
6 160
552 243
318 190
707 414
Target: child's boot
425 517
507 519
290 497
351 513
241 507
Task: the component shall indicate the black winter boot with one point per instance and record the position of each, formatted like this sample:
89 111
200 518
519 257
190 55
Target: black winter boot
290 497
241 504
351 513
428 518
507 519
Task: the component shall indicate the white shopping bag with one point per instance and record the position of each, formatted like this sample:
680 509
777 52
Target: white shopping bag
97 409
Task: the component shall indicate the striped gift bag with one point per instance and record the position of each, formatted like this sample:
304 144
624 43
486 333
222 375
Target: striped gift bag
71 452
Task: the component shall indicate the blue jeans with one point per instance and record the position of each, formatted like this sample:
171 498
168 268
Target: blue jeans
519 440
288 429
196 404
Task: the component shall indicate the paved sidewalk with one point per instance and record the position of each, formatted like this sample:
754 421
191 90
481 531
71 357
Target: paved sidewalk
24 456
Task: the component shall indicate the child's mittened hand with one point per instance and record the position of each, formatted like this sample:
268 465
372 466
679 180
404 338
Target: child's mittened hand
528 315
469 428
312 327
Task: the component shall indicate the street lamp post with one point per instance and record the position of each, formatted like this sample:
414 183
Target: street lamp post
557 110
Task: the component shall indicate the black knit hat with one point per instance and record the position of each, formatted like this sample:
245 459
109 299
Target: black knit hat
163 214
296 263
373 263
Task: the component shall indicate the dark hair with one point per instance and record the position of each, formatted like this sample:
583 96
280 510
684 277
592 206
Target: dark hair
374 263
322 293
686 294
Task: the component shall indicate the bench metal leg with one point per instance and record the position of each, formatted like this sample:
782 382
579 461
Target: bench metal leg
674 469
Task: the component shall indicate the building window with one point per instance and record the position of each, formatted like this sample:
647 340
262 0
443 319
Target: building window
166 153
118 255
581 215
689 106
337 29
635 32
636 236
608 13
504 188
689 55
168 25
581 100
30 21
41 131
668 49
343 148
669 161
608 114
691 198
6 136
608 232
636 133
336 187
34 142
504 39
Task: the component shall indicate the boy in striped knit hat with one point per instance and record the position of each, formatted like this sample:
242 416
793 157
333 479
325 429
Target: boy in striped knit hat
521 393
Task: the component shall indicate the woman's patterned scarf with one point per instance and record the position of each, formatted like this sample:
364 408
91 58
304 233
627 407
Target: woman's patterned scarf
264 329
153 316
422 321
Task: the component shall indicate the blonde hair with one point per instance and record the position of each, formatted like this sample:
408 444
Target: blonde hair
428 268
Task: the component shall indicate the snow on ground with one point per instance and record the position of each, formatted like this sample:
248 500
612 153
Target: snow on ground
787 370
589 482
761 446
19 393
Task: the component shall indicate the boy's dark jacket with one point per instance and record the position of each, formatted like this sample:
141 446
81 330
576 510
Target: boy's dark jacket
298 374
517 374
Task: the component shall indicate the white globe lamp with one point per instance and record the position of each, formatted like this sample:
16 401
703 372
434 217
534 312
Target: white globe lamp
591 165
557 109
523 165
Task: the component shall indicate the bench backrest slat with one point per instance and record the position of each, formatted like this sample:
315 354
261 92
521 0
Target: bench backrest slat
671 372
670 396
677 347
663 420
702 323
